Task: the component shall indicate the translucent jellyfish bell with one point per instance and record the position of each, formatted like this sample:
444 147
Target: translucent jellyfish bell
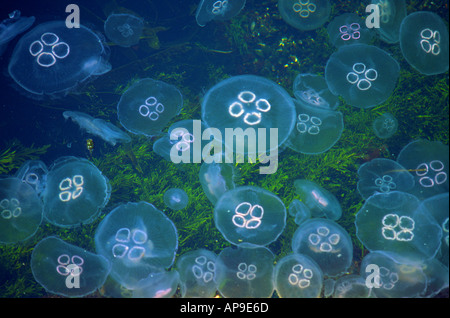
424 42
197 269
148 106
98 127
160 284
75 193
396 223
327 243
396 278
250 215
298 276
13 26
364 75
429 164
67 270
305 14
313 90
299 211
219 10
320 201
249 101
176 199
392 13
382 176
349 28
351 286
245 272
385 126
34 173
124 29
216 179
138 240
52 59
20 210
316 130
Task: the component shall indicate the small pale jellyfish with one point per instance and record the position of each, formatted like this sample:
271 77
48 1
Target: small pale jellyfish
176 199
216 179
34 173
392 13
313 90
124 29
13 26
305 14
220 10
385 126
299 211
348 29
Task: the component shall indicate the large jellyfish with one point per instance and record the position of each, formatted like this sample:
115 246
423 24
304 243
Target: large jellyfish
327 243
250 215
298 276
313 90
249 101
138 239
176 199
34 173
390 276
216 179
392 13
385 126
67 270
316 130
13 26
148 106
124 29
75 193
429 164
382 176
395 222
98 127
197 269
20 210
219 10
349 28
424 42
305 14
245 272
364 75
52 59
320 201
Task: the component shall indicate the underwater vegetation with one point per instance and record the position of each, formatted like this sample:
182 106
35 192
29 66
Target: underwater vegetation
198 65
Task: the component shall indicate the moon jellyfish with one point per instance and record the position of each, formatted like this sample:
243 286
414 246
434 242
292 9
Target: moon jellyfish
20 210
424 42
385 126
313 90
383 176
245 272
320 201
438 207
219 10
297 276
349 28
138 240
13 26
249 101
34 173
53 60
161 284
299 211
316 130
395 222
250 215
364 75
176 199
305 14
98 127
437 277
216 179
428 162
148 105
392 13
351 286
395 277
197 269
124 29
327 243
67 270
75 193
